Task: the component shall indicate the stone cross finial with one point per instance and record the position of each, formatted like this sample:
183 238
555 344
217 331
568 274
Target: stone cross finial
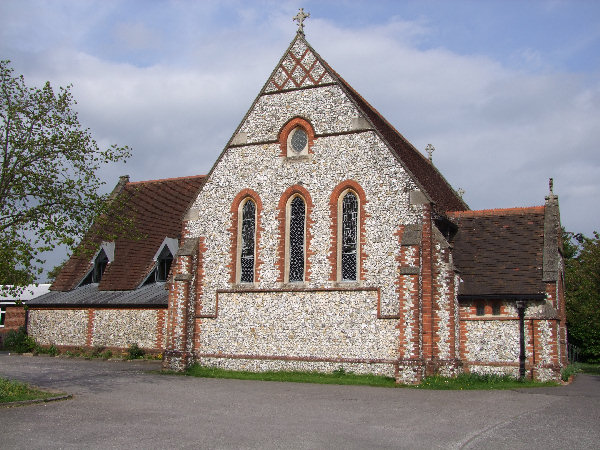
551 197
300 19
430 149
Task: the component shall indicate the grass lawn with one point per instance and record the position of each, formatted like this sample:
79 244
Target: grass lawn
337 377
14 391
462 382
471 381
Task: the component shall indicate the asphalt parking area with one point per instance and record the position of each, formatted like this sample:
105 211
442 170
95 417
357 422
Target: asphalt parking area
126 405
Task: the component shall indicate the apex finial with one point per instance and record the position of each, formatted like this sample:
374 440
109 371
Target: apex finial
300 19
430 149
551 197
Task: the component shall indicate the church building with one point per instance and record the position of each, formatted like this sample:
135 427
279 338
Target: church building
321 238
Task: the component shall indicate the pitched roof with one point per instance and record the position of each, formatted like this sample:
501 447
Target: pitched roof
151 295
426 174
302 67
499 252
156 209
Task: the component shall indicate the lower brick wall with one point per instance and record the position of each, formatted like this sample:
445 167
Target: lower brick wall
490 345
115 328
14 318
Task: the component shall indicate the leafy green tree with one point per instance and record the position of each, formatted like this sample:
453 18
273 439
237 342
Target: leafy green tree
582 295
53 273
49 190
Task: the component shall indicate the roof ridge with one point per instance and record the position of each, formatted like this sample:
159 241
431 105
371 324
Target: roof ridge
496 211
161 180
408 165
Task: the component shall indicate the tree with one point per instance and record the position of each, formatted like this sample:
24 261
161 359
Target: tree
582 295
49 190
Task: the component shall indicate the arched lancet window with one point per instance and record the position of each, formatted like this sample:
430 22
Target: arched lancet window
349 237
296 238
247 241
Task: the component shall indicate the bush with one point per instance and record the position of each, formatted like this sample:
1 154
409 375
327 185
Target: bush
52 350
18 341
571 369
135 352
97 351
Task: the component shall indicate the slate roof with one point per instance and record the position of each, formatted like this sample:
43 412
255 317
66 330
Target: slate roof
500 252
156 208
153 294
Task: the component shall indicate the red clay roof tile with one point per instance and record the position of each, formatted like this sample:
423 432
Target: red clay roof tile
499 251
156 208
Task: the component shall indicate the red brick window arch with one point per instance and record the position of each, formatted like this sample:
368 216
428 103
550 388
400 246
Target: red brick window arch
347 211
245 230
295 207
296 138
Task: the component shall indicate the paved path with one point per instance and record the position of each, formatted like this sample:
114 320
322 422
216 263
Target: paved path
123 405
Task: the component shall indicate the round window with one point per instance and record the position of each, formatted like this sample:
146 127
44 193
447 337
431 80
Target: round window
299 140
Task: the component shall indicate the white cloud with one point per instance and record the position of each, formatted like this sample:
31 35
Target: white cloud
500 133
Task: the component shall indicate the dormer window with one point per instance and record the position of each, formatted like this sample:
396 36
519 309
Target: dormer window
100 263
164 260
163 264
100 266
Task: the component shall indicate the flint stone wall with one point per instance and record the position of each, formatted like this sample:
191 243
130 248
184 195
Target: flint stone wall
360 156
492 340
110 327
121 328
323 325
58 326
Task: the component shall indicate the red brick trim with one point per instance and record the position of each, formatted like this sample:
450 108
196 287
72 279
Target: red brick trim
179 298
90 328
495 363
297 358
96 307
401 259
427 269
281 217
528 365
298 289
14 317
287 129
334 221
496 212
235 207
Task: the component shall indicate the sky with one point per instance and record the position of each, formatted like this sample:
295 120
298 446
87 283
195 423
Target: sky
508 92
